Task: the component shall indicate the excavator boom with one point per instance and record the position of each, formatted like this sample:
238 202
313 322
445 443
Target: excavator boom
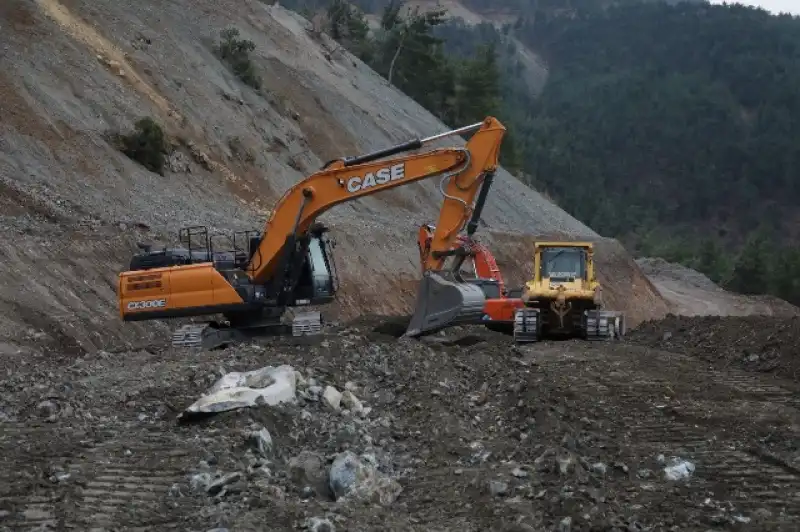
349 179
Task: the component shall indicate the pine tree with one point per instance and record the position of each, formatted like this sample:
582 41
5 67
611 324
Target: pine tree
478 89
786 275
751 270
349 27
411 57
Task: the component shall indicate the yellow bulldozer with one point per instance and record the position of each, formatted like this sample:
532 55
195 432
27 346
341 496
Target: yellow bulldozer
564 298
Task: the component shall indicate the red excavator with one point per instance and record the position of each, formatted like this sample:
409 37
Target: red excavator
501 303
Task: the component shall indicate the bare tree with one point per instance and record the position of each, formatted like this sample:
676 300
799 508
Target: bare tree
397 52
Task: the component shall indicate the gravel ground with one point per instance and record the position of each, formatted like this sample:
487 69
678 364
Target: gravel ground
657 267
690 293
457 432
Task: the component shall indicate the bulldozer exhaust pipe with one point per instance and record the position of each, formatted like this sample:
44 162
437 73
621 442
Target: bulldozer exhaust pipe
443 301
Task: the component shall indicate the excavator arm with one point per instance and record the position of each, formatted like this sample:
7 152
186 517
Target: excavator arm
462 171
483 261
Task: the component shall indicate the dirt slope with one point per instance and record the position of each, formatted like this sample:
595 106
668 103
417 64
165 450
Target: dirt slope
73 207
767 344
691 293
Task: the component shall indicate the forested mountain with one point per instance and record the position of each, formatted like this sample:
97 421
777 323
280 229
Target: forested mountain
531 8
673 126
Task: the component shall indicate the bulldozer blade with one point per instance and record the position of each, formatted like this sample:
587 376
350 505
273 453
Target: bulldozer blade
444 302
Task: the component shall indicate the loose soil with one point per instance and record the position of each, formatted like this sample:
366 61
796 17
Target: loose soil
765 344
480 435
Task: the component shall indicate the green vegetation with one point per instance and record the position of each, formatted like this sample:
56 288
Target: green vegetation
673 129
550 8
406 51
146 145
236 53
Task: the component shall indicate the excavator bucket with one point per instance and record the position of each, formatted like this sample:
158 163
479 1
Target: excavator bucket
442 302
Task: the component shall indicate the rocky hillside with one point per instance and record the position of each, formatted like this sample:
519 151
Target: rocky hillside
691 293
75 73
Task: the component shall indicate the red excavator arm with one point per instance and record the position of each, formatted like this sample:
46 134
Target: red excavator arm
484 264
498 308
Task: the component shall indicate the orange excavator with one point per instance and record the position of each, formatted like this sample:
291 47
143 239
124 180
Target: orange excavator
501 303
290 263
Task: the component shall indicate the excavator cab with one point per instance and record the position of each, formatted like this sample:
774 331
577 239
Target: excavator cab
318 282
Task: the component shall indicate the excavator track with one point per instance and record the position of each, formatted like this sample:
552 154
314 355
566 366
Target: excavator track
189 335
205 336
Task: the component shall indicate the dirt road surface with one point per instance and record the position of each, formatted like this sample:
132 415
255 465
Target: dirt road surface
690 293
467 432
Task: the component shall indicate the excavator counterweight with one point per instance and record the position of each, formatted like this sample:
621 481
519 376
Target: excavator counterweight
290 263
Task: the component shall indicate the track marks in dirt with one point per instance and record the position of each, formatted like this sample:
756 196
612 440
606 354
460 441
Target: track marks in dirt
115 488
25 500
112 482
687 412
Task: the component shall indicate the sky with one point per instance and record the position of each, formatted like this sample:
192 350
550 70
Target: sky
776 6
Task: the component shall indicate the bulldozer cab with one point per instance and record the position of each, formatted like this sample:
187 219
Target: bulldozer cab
563 263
